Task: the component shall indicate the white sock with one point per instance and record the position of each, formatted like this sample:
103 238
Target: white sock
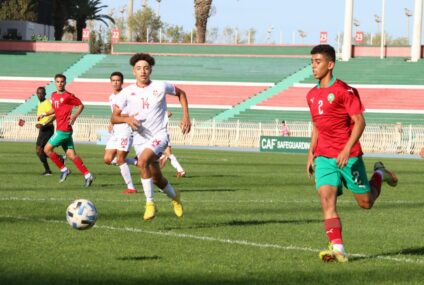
339 247
148 188
131 161
169 191
87 175
175 163
64 169
126 174
113 162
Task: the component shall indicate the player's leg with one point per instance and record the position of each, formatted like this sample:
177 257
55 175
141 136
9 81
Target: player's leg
56 140
145 157
164 157
43 137
125 171
328 185
162 183
176 164
77 161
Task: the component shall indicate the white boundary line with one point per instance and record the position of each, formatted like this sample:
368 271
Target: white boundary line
264 201
219 240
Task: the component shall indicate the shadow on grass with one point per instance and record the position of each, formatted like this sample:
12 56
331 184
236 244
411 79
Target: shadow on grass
419 251
210 190
249 223
139 258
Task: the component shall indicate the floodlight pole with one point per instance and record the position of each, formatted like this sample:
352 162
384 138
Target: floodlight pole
347 36
383 37
416 40
130 13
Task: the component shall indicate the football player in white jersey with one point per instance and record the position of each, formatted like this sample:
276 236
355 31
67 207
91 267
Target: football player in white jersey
120 140
145 103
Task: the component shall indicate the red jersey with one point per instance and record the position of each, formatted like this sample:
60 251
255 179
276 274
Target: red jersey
331 108
63 103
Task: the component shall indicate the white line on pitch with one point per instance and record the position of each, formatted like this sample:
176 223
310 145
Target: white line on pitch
220 240
141 199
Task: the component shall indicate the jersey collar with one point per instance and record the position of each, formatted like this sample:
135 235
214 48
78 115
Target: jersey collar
333 79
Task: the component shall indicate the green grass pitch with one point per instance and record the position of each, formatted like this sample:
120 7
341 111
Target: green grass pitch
250 218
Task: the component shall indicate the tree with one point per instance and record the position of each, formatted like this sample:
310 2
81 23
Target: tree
20 10
145 20
202 10
61 10
83 10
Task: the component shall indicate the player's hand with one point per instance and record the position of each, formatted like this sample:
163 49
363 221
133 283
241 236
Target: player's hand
133 123
38 126
42 115
342 158
110 128
310 166
72 119
185 125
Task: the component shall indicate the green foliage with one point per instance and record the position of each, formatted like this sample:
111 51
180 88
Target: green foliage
142 21
250 218
20 10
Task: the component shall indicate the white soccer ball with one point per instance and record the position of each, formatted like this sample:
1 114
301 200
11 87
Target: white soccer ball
81 214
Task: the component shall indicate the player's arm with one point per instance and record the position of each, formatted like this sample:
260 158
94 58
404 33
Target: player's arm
45 114
311 153
185 121
75 115
118 118
358 129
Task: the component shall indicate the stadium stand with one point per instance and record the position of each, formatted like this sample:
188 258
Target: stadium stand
30 64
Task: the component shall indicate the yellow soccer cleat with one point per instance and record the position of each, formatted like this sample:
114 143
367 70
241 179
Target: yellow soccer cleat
150 211
332 255
177 205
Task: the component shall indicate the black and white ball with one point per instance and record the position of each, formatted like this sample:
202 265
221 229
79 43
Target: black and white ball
81 214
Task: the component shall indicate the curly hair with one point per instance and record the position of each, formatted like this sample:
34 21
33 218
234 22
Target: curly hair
142 56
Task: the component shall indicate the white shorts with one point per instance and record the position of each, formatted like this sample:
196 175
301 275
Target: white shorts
157 144
121 142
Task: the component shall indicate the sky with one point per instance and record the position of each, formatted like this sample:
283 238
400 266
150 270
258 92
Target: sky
278 21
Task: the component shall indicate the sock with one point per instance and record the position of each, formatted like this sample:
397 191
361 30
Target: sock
80 165
169 191
126 174
131 161
113 162
56 160
376 181
175 163
43 158
333 228
148 188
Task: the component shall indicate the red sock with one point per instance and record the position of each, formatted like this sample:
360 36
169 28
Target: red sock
376 182
56 160
333 228
80 165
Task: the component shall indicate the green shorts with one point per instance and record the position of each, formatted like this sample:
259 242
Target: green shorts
353 176
63 139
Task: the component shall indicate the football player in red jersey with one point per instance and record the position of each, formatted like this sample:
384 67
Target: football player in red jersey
335 154
63 103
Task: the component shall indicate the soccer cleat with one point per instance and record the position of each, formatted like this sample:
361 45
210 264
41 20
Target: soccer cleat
88 181
150 211
46 173
129 191
177 205
331 255
388 176
64 175
180 174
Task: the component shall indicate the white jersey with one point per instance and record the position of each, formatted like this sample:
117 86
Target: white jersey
148 105
119 128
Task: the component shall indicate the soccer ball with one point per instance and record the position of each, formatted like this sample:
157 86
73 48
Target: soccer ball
81 214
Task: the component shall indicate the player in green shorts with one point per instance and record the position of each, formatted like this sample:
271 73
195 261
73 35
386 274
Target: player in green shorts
335 153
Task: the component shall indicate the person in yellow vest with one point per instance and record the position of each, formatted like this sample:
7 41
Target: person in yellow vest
46 129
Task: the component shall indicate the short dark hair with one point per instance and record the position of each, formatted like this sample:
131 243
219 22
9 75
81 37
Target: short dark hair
142 56
42 88
60 75
117 73
326 50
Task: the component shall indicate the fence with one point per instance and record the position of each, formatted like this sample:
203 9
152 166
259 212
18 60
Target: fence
378 138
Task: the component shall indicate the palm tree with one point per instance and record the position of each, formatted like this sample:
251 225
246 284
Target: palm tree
83 10
61 10
202 10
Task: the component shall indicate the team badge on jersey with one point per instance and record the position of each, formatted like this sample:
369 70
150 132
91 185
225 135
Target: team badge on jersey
330 98
132 94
